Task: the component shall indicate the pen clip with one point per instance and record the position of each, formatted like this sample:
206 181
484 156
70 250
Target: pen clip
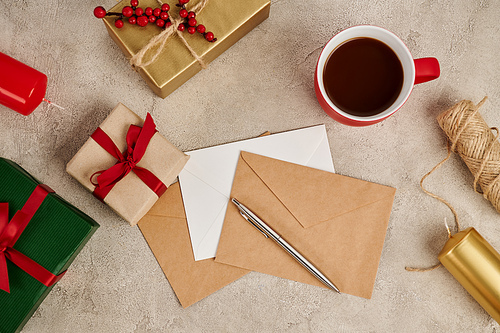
252 223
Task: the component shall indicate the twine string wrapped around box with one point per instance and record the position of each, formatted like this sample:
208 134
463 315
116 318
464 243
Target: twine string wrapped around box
159 41
472 139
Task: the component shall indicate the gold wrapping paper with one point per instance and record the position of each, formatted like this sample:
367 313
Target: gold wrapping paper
476 265
228 20
130 197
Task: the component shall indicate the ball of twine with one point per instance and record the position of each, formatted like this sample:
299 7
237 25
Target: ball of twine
473 140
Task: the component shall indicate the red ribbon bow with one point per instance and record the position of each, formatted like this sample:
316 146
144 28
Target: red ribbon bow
137 142
10 233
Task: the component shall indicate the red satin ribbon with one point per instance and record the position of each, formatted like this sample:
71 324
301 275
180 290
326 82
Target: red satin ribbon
137 142
10 233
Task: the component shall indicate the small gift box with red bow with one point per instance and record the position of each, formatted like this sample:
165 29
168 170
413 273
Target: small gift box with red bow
127 164
40 235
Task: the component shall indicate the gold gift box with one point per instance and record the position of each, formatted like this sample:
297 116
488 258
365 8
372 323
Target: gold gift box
130 198
228 20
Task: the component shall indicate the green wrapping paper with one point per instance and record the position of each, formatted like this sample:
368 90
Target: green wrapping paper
53 238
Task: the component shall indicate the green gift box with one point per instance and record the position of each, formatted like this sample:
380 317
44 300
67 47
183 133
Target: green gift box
54 235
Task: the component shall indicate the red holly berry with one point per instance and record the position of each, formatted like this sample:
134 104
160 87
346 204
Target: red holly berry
142 21
159 16
209 36
160 23
200 28
127 11
119 23
99 12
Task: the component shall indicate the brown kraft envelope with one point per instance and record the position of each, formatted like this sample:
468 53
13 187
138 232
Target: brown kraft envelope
165 229
338 223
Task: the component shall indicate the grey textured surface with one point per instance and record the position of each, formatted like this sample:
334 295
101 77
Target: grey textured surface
264 82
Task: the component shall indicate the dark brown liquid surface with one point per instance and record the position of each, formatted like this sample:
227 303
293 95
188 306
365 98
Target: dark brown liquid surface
363 76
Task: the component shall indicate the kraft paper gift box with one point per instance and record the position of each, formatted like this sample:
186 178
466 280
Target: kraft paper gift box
50 233
131 196
228 20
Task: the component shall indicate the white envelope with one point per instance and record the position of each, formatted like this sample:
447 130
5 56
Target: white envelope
207 177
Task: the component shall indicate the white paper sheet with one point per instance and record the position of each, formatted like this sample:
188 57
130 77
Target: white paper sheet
207 178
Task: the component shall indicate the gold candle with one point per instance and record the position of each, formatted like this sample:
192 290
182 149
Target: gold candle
476 265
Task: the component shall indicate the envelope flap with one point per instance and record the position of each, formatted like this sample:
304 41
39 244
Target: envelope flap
295 184
169 205
165 229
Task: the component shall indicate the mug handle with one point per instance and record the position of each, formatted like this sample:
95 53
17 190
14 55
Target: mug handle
426 69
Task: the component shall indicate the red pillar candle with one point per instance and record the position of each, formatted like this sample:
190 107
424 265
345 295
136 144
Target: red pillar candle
22 88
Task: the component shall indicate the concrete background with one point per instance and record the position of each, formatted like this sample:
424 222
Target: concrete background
264 82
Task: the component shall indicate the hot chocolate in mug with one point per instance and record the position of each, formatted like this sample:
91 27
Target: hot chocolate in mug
366 73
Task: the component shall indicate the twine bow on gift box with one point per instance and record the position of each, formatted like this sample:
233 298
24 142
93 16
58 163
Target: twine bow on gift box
159 41
10 233
137 142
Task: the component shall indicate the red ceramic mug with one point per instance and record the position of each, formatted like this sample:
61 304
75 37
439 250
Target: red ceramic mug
414 72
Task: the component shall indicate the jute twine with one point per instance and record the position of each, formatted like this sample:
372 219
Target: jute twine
158 42
472 139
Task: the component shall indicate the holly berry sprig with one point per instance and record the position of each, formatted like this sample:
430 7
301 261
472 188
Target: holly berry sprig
137 15
159 16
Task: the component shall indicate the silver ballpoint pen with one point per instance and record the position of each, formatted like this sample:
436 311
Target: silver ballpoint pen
270 233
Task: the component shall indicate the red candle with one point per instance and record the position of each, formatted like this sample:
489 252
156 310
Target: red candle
22 88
